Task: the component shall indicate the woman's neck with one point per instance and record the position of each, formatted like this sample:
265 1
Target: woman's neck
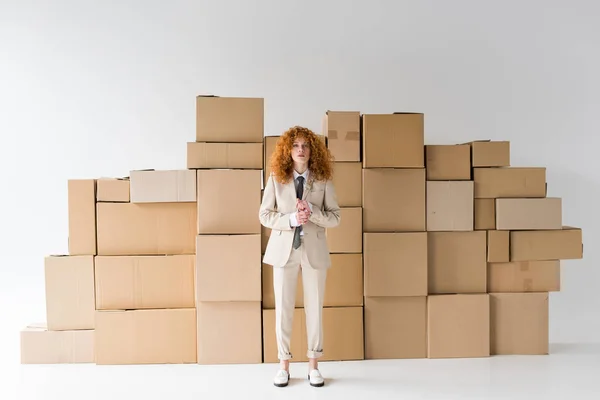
300 168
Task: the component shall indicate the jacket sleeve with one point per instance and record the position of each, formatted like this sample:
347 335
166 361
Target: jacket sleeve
268 215
329 216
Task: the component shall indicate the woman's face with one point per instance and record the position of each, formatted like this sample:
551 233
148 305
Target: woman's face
300 151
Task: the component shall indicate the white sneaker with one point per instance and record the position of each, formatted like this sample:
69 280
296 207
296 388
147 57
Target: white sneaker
281 378
315 378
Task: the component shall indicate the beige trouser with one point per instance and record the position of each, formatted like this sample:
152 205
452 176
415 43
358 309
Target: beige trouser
285 281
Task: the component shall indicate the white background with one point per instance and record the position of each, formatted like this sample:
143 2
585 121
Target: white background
90 89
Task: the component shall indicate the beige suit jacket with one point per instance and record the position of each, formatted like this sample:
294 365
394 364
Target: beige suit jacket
279 202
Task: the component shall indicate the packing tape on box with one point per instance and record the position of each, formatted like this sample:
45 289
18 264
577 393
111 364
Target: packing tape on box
527 284
352 135
332 134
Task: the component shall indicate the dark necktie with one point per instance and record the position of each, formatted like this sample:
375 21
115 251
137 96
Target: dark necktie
299 194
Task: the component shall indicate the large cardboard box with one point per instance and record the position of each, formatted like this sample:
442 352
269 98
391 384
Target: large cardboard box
146 336
393 140
485 214
448 162
112 190
456 262
229 332
343 334
347 180
450 206
297 341
519 323
206 155
146 229
394 200
69 288
171 186
458 326
529 214
541 245
395 327
347 236
498 246
228 268
228 201
143 282
524 276
525 182
490 153
342 129
395 264
230 119
42 346
82 216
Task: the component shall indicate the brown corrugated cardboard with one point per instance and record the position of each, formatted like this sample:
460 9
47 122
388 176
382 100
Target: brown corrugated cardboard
146 229
270 142
488 153
343 337
395 327
526 182
519 323
112 190
228 201
560 244
457 262
141 282
172 186
393 140
42 346
229 332
347 180
146 336
82 216
228 268
297 341
203 155
347 236
458 326
529 214
230 119
498 246
448 162
342 129
524 276
395 264
450 206
69 288
393 200
265 233
485 214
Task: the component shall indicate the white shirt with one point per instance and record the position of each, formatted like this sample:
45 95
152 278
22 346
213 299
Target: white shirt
293 219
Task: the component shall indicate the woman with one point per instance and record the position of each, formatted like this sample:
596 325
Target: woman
299 202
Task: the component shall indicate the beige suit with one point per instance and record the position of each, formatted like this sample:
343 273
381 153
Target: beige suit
278 204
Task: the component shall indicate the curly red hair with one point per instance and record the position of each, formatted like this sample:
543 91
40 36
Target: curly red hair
320 163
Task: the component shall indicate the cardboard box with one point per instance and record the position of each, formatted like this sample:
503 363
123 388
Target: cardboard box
82 216
298 338
206 155
229 332
448 162
146 336
395 327
458 326
112 190
228 201
527 182
347 236
395 264
265 233
529 214
347 180
146 229
485 214
228 268
69 285
524 276
489 153
559 244
172 186
457 262
343 337
230 119
450 206
394 200
342 129
519 323
393 140
270 143
498 246
42 346
144 282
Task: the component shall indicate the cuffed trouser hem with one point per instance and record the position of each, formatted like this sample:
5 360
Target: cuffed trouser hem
314 354
285 357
